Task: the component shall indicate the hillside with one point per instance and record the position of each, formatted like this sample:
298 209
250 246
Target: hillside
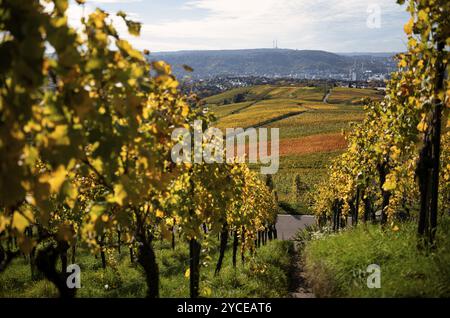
272 62
310 130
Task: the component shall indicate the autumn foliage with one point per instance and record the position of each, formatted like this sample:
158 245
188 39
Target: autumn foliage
85 127
397 159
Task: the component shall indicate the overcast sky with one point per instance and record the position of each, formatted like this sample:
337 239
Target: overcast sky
331 25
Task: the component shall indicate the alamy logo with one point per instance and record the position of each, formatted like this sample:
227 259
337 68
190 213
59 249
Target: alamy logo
74 279
374 279
371 276
212 146
374 18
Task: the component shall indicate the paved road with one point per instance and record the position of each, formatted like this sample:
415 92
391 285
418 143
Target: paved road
325 99
288 225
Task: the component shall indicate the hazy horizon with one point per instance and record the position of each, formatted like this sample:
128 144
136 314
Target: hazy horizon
279 48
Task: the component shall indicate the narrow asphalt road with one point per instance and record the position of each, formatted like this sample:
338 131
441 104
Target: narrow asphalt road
325 99
288 225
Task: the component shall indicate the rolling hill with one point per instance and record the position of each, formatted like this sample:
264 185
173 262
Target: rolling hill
310 130
271 62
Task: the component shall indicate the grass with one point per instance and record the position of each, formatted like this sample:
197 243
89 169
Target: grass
264 275
336 264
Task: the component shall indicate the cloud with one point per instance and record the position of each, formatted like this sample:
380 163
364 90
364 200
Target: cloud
334 25
321 24
76 12
112 1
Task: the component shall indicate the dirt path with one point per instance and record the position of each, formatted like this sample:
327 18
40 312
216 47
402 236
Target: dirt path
287 226
298 284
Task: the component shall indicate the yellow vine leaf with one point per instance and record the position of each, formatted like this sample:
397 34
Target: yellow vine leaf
170 221
61 5
60 135
98 17
31 154
54 179
3 222
162 67
20 222
71 193
409 26
422 15
126 47
97 164
119 194
412 42
134 28
185 111
159 213
96 211
422 126
390 184
395 152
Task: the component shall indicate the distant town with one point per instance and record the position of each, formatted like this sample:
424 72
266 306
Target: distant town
221 70
216 85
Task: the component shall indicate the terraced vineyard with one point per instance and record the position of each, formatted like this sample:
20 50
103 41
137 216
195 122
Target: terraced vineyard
310 129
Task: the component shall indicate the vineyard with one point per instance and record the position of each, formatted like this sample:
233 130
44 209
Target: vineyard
87 176
397 157
85 154
310 136
395 173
